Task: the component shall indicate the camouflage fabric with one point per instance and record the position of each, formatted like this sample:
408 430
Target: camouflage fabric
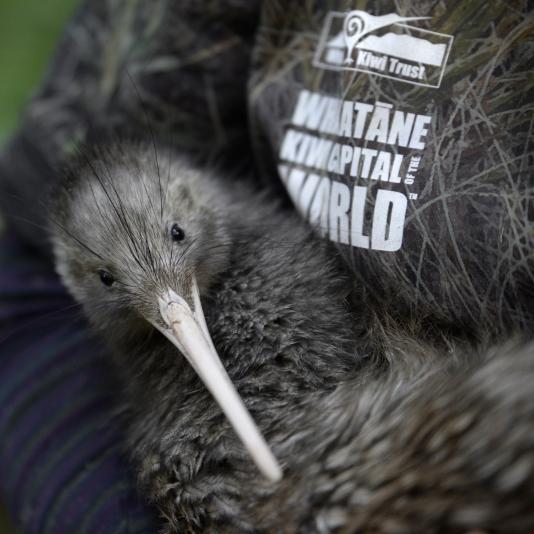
458 187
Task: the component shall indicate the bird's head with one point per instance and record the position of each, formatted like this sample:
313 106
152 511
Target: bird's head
138 235
128 227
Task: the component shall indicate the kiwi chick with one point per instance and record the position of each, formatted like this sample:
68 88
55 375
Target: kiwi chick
432 442
129 225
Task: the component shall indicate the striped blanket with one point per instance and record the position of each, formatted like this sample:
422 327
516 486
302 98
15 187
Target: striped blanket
61 464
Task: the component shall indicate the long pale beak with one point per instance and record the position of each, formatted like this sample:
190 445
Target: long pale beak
187 330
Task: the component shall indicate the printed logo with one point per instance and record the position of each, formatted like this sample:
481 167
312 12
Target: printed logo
383 46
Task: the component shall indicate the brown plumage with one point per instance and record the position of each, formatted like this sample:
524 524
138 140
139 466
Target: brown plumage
375 431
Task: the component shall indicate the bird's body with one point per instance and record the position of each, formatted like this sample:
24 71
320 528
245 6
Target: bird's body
267 283
346 432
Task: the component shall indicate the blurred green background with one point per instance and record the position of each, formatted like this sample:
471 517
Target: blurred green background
29 30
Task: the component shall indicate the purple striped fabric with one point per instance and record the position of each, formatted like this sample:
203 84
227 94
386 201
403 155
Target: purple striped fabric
62 469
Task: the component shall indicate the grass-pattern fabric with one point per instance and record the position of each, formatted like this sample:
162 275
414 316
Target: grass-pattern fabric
468 250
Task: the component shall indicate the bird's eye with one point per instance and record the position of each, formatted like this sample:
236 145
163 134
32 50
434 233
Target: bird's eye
106 278
177 233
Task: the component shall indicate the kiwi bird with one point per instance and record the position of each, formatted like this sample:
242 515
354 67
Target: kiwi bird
357 24
278 375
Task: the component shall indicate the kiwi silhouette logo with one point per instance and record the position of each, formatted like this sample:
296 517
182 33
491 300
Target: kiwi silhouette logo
385 46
